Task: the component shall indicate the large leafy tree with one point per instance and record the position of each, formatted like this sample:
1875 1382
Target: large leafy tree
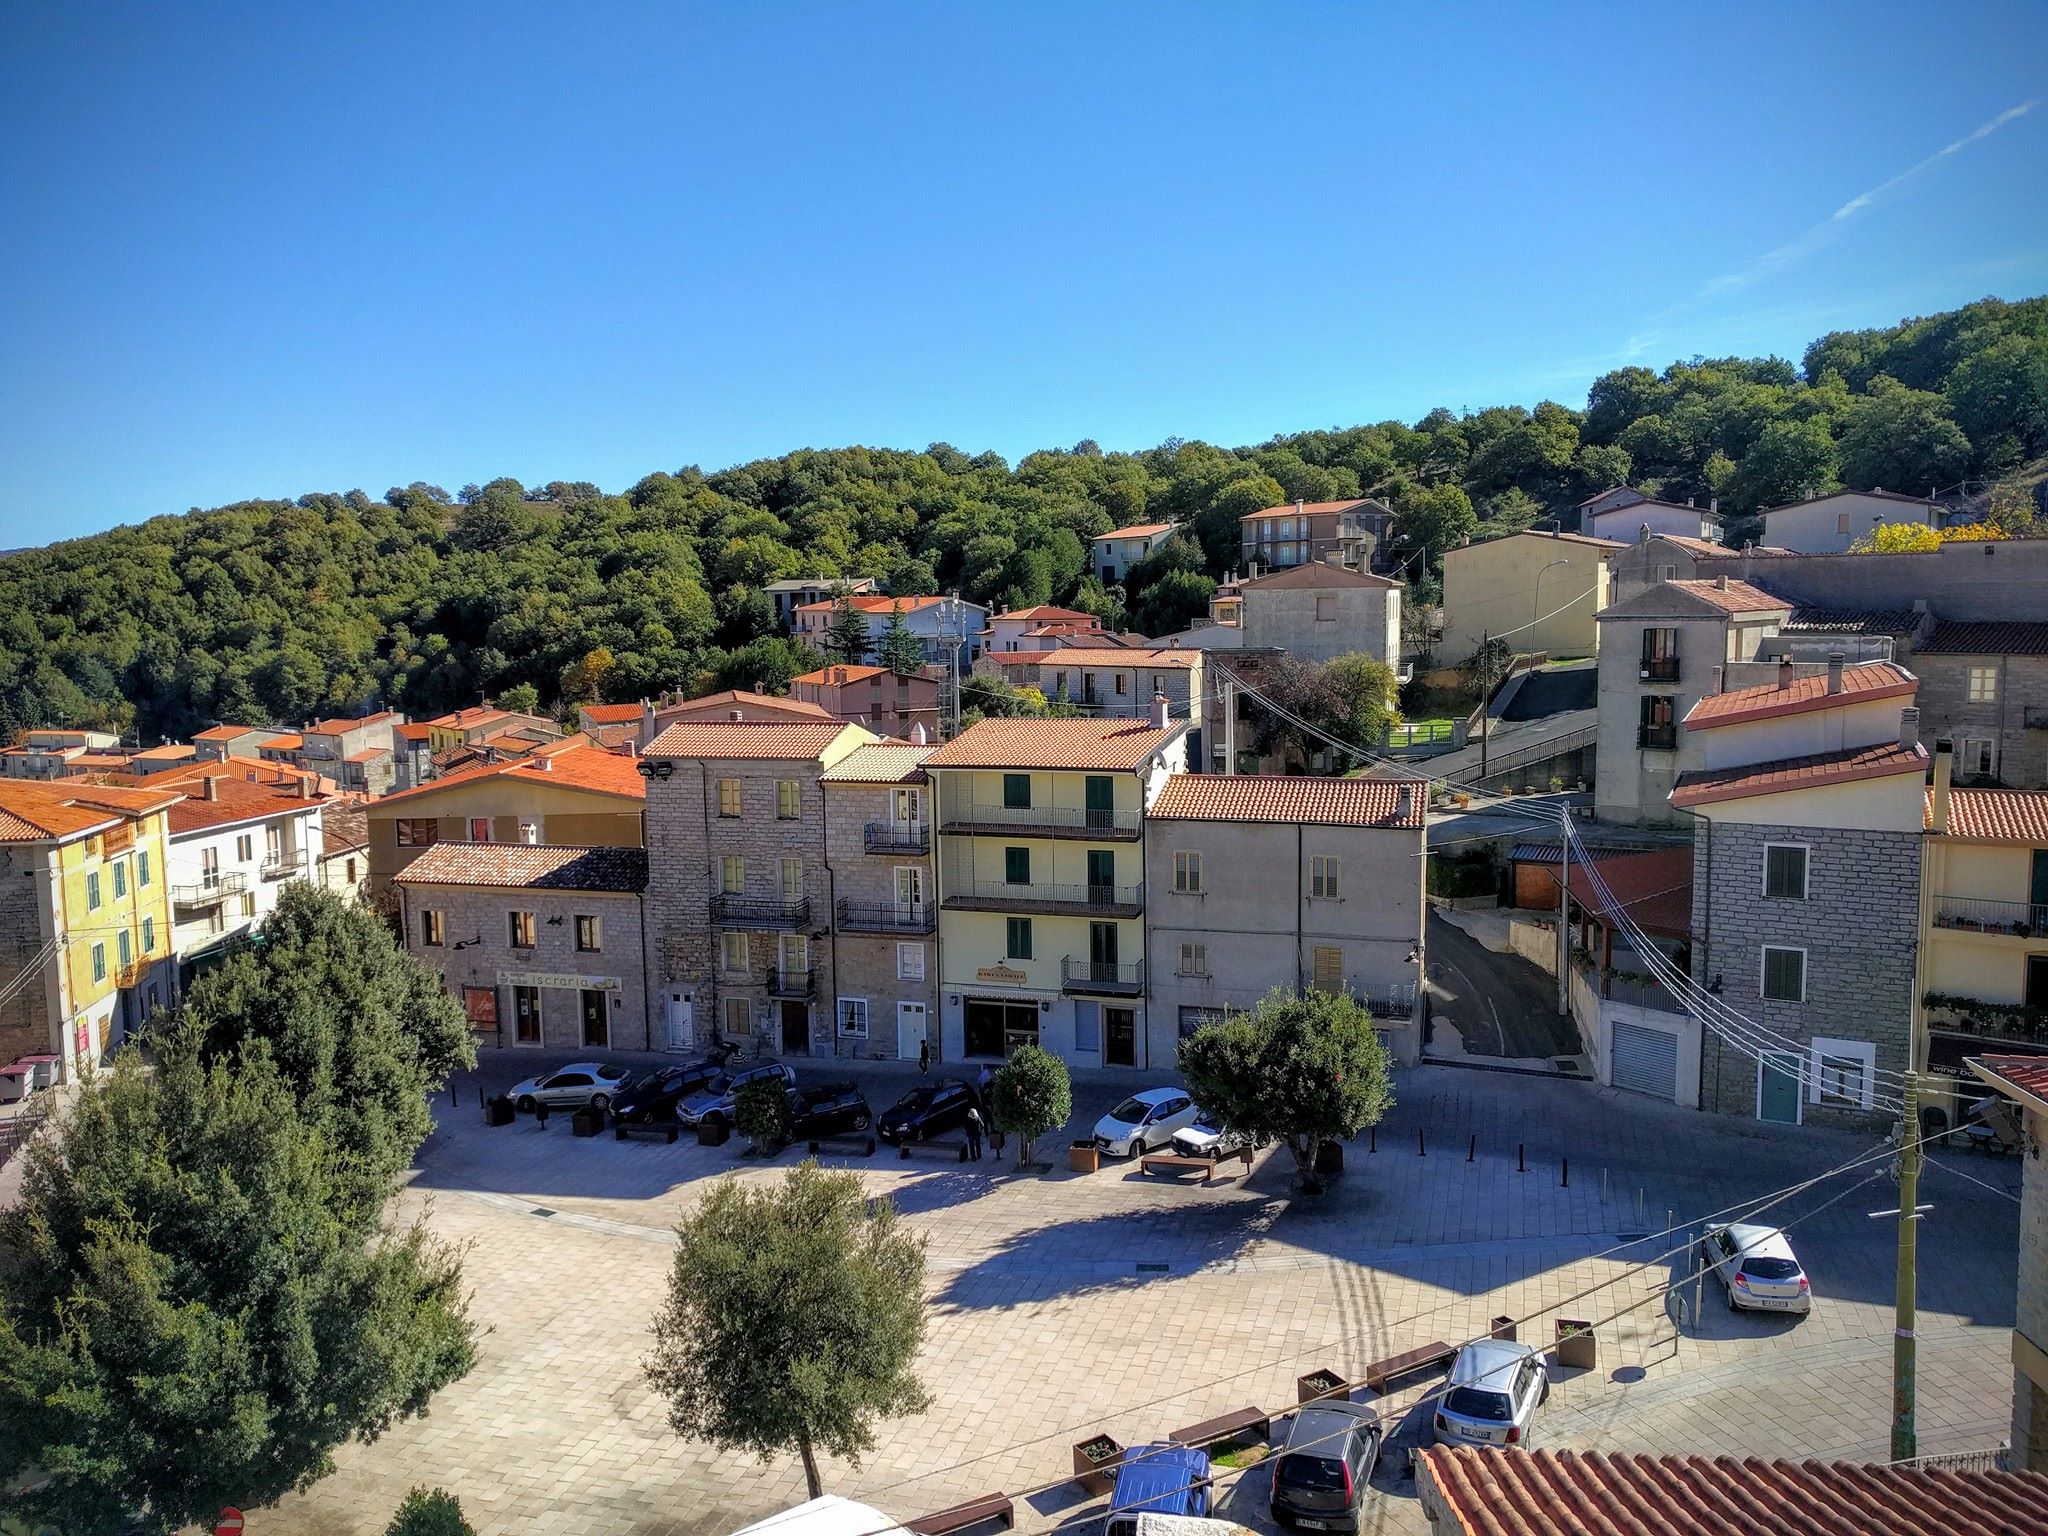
1901 439
1031 1095
793 1319
1301 1070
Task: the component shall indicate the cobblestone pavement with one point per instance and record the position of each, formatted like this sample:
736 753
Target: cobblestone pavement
1063 1305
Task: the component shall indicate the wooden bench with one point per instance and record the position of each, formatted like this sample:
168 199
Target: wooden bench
946 1151
1381 1373
861 1146
990 1506
1224 1427
1208 1165
667 1130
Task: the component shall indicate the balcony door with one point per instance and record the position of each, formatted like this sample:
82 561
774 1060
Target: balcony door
1100 790
906 813
1101 875
909 894
2037 896
1102 950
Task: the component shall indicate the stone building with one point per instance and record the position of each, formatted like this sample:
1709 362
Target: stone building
887 703
2024 1081
1828 525
1114 553
1985 685
1319 611
885 908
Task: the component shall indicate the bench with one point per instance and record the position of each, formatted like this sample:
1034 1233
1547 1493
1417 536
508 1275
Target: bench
1224 1426
1209 1166
990 1506
1381 1373
948 1151
852 1146
667 1130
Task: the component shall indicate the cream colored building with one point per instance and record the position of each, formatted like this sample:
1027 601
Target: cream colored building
1539 590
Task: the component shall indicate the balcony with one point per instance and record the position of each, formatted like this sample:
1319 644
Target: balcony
1054 900
283 863
733 911
1657 738
133 973
886 917
1099 978
788 983
202 895
1977 1019
1658 669
1044 821
897 837
2012 919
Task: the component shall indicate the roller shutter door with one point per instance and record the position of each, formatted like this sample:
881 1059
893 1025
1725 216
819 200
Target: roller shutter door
1646 1060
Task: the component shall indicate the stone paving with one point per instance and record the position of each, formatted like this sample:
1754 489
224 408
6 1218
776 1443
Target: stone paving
1065 1304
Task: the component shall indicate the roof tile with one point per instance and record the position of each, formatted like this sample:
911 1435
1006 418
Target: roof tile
2011 639
1136 531
1705 786
2029 1074
1995 815
1294 798
881 762
1860 685
780 739
235 800
529 866
1295 508
571 762
1108 745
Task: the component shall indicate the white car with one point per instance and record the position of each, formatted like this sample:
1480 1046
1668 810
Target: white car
1145 1120
1492 1396
1205 1138
1757 1268
572 1087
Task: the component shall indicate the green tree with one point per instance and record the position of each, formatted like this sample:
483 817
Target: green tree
899 650
846 637
1788 461
1488 665
1301 1070
793 1319
767 665
429 1512
761 1113
1030 1096
1900 439
1435 519
585 679
520 698
1366 697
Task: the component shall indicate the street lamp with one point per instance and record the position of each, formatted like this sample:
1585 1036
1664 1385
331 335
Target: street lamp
1536 597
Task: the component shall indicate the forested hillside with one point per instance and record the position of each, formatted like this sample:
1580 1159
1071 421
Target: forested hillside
279 611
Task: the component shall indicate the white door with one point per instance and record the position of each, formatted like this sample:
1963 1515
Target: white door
910 1026
682 1023
910 893
1645 1060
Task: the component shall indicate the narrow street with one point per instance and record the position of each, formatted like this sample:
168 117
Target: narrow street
1500 1005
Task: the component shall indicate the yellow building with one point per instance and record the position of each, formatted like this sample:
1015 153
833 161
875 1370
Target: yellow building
1041 876
85 917
1983 927
1539 590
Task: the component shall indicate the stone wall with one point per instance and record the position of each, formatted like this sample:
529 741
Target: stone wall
865 965
2030 1396
1979 580
25 1017
2016 717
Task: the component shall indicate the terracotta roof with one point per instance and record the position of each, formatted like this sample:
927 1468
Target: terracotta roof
1814 501
881 762
235 800
871 602
1019 658
837 675
1108 745
463 719
32 811
1113 656
419 732
796 708
1686 541
1293 509
344 827
609 714
788 740
1704 786
249 770
1135 531
345 723
2013 639
529 867
1042 612
369 755
1995 815
1315 573
1543 533
169 752
571 762
1594 1493
1851 621
1653 889
287 743
226 732
1293 798
1736 597
1860 685
2023 1074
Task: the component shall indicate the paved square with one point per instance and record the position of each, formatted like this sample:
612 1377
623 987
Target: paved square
1066 1304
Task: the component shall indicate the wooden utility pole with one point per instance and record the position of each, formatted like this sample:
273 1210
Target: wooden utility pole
1905 1361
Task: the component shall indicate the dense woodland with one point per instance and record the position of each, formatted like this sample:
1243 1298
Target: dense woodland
277 611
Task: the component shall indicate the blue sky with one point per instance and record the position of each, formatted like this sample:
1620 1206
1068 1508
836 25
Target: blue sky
263 250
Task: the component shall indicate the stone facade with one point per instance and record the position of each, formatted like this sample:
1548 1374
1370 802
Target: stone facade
1994 708
25 1025
2030 1394
1856 924
884 945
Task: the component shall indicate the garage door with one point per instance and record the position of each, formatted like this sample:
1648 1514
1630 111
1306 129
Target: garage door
1646 1060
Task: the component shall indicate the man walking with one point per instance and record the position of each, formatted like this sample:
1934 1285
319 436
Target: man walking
924 1058
973 1134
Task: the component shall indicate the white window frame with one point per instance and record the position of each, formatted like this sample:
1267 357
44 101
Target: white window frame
1805 871
1762 968
1862 1052
852 1016
914 954
1988 677
1194 959
1187 871
730 944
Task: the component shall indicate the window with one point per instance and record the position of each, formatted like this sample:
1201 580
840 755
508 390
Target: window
1785 871
521 924
793 954
1017 937
1660 655
1983 685
728 797
124 947
1322 875
788 799
418 831
1656 726
732 874
1016 866
2035 994
733 953
1087 1025
1976 758
739 1020
1326 610
348 870
1119 682
1784 974
92 891
99 962
142 869
853 1018
1667 573
148 935
245 848
479 829
209 867
1841 522
1843 1072
1016 791
120 878
432 931
792 879
590 934
1329 968
1194 960
910 962
1187 870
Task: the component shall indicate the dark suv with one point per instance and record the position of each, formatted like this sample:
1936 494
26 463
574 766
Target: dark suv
928 1110
828 1109
1320 1486
651 1097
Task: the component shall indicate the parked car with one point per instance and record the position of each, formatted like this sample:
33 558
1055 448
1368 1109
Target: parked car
1757 1268
1321 1475
647 1097
579 1084
1492 1395
928 1110
1147 1119
1160 1479
713 1103
1205 1138
828 1109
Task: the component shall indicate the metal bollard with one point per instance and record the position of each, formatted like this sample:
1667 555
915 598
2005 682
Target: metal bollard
1421 1147
1472 1147
1521 1157
1372 1139
1566 1165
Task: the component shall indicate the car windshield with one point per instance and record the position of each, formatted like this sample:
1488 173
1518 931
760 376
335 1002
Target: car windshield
1131 1111
718 1084
1471 1403
916 1099
1759 1268
1204 1123
1315 1472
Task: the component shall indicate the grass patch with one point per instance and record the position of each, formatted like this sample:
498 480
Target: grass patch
1242 1451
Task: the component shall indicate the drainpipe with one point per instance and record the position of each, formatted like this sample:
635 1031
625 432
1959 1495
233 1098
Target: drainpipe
646 975
1299 871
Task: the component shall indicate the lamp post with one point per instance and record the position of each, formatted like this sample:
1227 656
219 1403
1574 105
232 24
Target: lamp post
1536 597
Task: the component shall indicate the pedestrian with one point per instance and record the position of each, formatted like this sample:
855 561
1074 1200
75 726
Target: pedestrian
973 1134
924 1058
981 1083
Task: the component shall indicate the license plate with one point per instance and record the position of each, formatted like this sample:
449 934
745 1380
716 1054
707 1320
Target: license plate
1313 1525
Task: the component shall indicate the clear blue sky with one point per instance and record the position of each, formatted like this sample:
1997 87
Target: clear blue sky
262 250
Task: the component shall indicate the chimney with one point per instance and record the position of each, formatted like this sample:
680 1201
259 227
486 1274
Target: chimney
919 736
1784 672
543 764
1909 727
1713 506
1300 506
1835 660
1714 682
208 789
529 833
1643 533
1161 713
1721 582
632 746
1691 501
733 715
1944 770
1404 803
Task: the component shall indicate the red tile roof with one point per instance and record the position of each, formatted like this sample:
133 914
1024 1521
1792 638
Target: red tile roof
610 714
344 827
1109 745
1115 656
1593 1493
529 867
2024 1074
732 697
1136 531
169 752
1995 815
881 762
344 723
787 740
871 602
1736 597
288 743
226 732
836 676
367 755
463 719
1318 802
1309 508
33 811
420 732
1315 573
1860 685
1653 889
1019 658
571 763
1704 786
1044 612
234 800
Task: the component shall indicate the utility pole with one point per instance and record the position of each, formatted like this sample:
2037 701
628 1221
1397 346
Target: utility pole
1905 1358
1229 726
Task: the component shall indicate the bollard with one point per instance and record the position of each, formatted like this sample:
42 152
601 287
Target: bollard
1642 1211
1603 1186
1472 1147
1566 1165
1372 1143
1521 1157
480 1092
1421 1147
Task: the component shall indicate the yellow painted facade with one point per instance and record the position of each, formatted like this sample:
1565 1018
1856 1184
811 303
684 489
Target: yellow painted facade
1538 591
1981 931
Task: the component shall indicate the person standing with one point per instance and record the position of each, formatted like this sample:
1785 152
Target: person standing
973 1134
924 1058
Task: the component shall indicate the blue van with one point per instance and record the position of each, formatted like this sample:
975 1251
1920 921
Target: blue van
1160 1480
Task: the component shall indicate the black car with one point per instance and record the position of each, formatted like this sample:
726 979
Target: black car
928 1110
1321 1475
827 1109
653 1096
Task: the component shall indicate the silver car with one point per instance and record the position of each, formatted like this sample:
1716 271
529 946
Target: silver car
1492 1395
578 1084
1757 1268
1205 1138
717 1102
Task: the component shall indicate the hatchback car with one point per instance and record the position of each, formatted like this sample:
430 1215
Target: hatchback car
581 1083
1321 1475
928 1110
1757 1268
1492 1395
1205 1138
1161 1479
1147 1119
829 1109
648 1097
713 1104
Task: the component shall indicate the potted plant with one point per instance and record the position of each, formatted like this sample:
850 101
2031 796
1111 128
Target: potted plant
1095 1463
1575 1348
1320 1383
1084 1156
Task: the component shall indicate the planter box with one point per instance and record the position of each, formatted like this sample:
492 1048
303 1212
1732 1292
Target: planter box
1084 1157
1575 1350
499 1111
1320 1384
1502 1328
1095 1463
1330 1159
712 1133
587 1122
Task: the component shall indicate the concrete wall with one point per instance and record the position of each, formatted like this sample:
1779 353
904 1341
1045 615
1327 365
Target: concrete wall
1829 525
2030 1324
2014 720
1317 624
1634 783
26 1027
1506 584
2005 579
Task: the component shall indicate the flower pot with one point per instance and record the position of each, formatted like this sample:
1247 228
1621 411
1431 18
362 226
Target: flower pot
1319 1384
1502 1327
1575 1349
499 1111
1095 1463
586 1122
1084 1157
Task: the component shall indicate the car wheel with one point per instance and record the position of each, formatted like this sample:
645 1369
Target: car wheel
600 1102
1137 1147
860 1122
526 1104
1543 1396
1733 1304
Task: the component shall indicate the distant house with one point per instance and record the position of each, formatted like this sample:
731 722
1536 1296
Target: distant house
358 754
469 727
887 703
57 754
1121 548
940 623
1036 628
1828 525
1278 537
794 593
1648 558
1537 590
613 725
729 705
1323 610
1625 521
220 742
1607 501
